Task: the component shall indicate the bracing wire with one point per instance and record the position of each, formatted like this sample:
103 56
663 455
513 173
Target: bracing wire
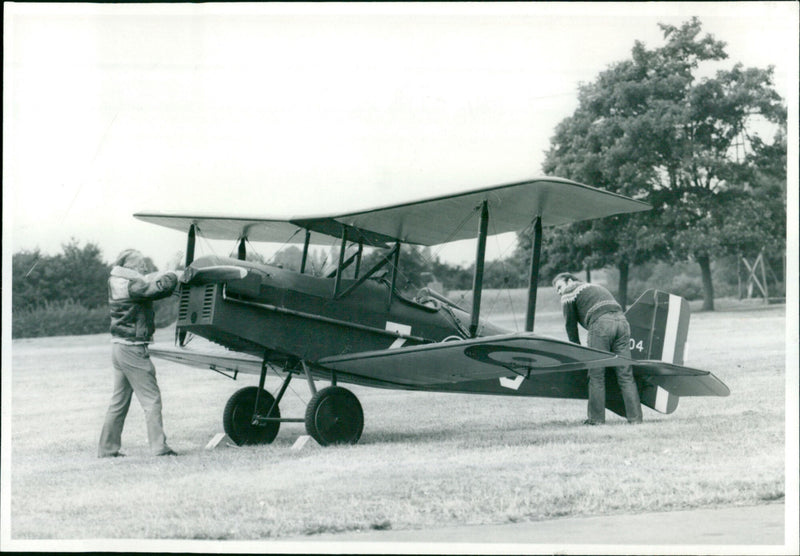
501 259
430 260
281 248
454 232
433 256
207 243
290 387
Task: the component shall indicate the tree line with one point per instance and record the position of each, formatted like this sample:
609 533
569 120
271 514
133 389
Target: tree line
67 293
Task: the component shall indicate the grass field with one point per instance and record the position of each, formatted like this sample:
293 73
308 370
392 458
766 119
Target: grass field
424 460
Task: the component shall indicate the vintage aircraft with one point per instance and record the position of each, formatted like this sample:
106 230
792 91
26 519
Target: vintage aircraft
362 330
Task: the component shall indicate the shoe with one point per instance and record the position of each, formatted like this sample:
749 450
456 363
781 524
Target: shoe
638 422
591 423
114 455
169 452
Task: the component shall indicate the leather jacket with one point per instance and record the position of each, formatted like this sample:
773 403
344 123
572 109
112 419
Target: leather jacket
130 300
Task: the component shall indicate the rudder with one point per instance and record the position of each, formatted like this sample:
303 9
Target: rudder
659 329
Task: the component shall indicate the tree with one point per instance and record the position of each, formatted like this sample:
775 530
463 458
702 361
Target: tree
26 275
78 274
596 146
649 128
290 258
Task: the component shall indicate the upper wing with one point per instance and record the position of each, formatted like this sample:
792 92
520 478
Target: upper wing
263 229
512 207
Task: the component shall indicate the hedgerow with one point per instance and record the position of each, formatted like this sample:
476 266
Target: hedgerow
70 318
59 318
67 294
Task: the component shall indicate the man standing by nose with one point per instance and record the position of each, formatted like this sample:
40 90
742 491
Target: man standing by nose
598 312
130 297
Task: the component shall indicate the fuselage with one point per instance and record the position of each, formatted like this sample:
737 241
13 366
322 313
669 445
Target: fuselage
283 316
275 312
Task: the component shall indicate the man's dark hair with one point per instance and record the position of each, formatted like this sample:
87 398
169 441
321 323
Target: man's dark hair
565 276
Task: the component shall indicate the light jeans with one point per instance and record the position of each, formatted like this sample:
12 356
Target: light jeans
611 332
133 372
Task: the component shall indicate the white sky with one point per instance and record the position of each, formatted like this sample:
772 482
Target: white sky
281 110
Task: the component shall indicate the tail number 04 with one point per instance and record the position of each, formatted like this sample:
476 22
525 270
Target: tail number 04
637 346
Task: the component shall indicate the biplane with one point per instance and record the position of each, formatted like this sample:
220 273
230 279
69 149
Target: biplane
354 326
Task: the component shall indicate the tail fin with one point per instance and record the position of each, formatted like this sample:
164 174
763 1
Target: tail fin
659 327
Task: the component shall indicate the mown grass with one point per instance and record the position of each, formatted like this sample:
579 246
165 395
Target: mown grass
424 460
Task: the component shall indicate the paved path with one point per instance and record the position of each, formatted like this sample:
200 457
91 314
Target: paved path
747 525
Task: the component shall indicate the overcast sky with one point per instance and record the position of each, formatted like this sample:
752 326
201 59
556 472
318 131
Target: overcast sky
283 110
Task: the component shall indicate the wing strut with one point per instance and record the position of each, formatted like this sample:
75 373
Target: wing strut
305 252
533 283
339 268
395 262
477 279
360 279
180 337
190 245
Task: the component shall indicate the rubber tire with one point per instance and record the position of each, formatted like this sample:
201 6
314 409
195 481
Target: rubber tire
334 416
236 419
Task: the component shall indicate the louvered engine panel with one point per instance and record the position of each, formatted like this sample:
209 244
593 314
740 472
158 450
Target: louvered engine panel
197 305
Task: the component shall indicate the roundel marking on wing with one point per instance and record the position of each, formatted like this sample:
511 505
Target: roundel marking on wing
517 358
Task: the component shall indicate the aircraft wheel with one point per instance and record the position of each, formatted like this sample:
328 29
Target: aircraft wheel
238 415
334 416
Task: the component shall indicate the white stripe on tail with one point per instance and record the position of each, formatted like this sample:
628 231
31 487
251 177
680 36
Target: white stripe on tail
668 352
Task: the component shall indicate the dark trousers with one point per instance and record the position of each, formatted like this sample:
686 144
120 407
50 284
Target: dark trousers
611 332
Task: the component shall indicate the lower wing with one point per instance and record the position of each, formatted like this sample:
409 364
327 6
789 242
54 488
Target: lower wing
209 359
517 355
515 364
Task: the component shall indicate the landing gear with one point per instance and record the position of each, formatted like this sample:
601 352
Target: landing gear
238 422
334 416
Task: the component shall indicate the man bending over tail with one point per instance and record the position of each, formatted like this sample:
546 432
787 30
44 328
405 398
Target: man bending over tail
599 313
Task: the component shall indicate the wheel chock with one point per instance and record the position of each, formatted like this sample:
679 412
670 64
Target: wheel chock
220 440
300 442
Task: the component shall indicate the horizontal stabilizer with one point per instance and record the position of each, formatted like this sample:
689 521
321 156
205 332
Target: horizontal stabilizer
680 381
661 385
